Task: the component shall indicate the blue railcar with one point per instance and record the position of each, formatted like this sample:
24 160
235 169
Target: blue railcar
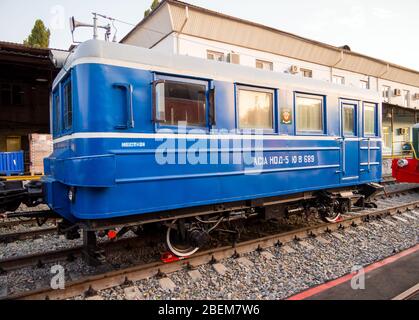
142 136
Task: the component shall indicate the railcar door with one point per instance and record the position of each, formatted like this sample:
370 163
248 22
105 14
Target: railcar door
349 141
370 146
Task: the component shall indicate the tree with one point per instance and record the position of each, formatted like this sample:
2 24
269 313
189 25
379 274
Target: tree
154 5
39 37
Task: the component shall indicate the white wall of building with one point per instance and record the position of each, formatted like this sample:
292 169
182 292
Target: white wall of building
399 100
198 47
167 45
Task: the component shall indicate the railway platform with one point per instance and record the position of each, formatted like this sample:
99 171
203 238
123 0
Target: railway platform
394 278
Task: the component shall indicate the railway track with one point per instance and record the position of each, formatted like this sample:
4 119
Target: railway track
26 223
90 284
397 188
388 180
39 259
24 235
34 233
33 228
68 254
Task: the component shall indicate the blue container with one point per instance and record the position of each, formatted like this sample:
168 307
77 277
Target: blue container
11 163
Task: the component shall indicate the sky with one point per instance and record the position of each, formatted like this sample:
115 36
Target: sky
384 29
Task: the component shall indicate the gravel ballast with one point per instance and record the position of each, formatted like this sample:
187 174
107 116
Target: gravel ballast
276 274
286 273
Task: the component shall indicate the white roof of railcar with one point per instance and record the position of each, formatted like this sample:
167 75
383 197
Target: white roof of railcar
96 51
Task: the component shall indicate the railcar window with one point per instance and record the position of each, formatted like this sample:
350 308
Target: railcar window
181 102
57 113
369 119
255 108
68 106
349 119
309 114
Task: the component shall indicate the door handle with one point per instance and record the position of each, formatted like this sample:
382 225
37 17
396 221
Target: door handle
343 156
129 89
341 141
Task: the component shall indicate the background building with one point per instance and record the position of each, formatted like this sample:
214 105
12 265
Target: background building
181 28
26 76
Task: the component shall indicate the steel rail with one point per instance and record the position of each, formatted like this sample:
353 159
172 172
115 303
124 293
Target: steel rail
69 254
92 284
29 234
10 264
31 222
32 214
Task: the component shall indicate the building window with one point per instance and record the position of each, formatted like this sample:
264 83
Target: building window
349 116
181 102
364 84
264 65
11 95
386 93
369 119
214 55
306 73
338 80
255 108
67 106
309 114
406 98
233 58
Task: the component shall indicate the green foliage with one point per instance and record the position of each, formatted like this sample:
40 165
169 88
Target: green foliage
39 37
154 5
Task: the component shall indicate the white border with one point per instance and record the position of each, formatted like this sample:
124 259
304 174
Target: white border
162 136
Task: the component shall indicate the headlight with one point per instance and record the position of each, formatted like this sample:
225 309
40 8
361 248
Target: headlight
402 163
72 194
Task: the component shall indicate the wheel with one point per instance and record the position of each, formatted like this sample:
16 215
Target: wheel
334 219
331 216
12 207
180 247
371 205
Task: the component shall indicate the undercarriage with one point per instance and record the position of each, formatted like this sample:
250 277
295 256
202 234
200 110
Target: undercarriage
189 229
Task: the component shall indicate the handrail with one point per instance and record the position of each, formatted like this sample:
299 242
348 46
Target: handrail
402 152
129 89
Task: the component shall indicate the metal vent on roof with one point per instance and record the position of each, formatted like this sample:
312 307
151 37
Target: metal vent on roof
346 47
